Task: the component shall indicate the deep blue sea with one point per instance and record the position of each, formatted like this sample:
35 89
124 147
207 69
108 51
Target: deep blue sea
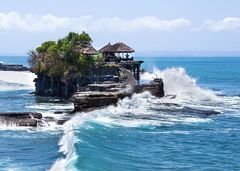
141 133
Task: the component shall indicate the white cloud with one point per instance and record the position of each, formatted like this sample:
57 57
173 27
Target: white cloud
144 23
226 24
46 23
50 23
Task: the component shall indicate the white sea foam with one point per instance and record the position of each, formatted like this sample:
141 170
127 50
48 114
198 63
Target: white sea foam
52 106
177 82
50 127
14 80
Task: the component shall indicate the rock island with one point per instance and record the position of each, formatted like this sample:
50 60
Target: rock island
72 68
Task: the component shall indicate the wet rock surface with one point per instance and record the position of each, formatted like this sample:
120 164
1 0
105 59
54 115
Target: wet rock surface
20 119
90 100
28 119
155 87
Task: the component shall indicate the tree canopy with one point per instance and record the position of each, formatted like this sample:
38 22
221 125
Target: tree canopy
56 57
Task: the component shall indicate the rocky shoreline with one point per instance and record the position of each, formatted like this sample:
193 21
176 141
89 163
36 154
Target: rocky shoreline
102 95
27 119
95 96
11 67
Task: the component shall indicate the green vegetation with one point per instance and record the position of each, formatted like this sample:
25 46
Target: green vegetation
56 58
98 58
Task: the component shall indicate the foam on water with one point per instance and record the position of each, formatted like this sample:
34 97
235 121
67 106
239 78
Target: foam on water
51 106
51 127
14 80
48 109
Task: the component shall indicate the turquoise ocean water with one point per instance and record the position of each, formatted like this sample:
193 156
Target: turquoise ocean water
141 133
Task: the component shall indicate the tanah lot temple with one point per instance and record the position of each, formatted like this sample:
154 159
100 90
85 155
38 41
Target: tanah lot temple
107 91
118 53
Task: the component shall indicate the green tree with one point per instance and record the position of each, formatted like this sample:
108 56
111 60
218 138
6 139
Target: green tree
85 38
98 58
83 64
54 58
44 47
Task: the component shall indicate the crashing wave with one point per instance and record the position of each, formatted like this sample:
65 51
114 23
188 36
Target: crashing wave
178 83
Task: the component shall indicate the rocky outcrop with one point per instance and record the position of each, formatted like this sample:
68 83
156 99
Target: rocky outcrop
65 86
71 82
155 87
7 67
20 119
108 94
90 100
28 119
54 86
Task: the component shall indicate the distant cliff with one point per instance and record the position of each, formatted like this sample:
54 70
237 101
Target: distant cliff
8 67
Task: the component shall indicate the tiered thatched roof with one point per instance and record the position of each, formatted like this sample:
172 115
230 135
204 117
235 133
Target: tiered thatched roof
106 48
122 48
117 48
89 51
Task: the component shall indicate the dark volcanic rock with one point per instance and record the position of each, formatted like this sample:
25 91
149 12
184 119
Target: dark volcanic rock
155 87
54 86
65 86
71 82
61 121
58 112
200 111
100 97
20 119
83 101
6 67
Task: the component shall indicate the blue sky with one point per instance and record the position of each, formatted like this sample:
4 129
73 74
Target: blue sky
152 26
